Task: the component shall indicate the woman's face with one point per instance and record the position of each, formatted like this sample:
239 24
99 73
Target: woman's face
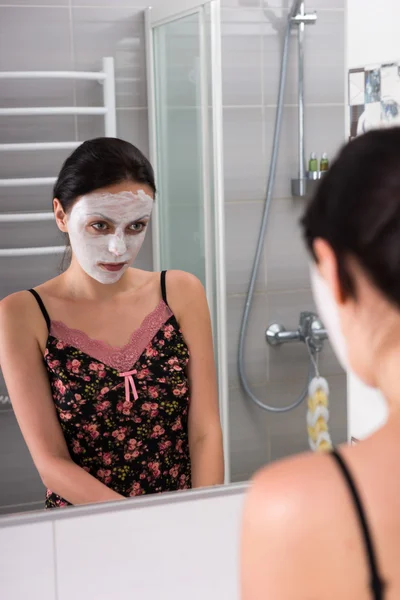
107 228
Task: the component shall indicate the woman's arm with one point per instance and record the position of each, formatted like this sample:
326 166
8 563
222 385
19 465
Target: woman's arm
27 382
188 301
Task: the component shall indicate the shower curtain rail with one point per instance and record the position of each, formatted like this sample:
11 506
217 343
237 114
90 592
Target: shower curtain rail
26 217
53 110
27 181
16 252
39 146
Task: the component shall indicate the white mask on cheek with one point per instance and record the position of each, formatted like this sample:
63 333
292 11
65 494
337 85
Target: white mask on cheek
113 243
328 311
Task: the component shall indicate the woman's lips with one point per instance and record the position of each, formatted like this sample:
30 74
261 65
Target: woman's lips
112 266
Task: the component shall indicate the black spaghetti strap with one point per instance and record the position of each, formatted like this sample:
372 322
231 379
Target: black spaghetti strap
164 287
42 307
377 584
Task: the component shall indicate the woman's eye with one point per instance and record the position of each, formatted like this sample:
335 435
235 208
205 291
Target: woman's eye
99 226
137 227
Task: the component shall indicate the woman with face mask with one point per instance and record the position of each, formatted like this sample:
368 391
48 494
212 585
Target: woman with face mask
109 368
328 526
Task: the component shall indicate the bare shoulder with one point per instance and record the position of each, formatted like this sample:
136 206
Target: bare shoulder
185 293
289 495
19 311
292 521
16 305
183 282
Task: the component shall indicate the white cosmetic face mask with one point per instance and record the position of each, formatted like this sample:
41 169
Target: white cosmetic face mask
114 243
328 311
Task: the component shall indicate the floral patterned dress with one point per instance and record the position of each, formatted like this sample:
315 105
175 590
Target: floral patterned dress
123 411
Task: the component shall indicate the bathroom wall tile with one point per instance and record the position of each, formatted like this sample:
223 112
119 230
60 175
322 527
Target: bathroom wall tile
22 93
44 33
242 221
245 167
286 255
241 57
325 132
138 4
310 5
325 127
40 163
241 3
117 32
249 441
324 58
292 360
19 480
17 199
255 347
17 235
24 570
21 273
15 130
132 126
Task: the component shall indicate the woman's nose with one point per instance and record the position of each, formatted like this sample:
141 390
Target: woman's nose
117 245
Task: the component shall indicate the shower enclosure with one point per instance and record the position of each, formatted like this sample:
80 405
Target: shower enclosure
185 120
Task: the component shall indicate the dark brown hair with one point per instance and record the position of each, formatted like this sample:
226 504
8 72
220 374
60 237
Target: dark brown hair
356 209
99 163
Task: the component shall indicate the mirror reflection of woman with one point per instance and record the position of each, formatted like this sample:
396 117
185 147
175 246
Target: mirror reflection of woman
327 526
110 369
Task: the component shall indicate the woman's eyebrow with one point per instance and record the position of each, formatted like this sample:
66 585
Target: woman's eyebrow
101 216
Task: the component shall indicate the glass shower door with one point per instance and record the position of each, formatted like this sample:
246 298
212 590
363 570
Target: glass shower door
185 123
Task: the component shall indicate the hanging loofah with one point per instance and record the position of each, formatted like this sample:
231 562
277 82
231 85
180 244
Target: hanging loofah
318 415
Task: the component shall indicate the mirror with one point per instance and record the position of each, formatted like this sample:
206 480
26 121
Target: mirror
195 91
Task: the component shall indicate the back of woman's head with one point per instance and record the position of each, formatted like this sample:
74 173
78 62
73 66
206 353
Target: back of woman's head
100 163
356 209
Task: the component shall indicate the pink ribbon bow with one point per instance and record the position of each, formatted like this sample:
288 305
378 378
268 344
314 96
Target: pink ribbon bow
129 381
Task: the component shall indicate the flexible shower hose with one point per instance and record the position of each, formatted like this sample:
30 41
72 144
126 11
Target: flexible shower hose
263 229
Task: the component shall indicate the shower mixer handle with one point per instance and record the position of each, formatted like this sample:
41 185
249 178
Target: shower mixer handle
310 329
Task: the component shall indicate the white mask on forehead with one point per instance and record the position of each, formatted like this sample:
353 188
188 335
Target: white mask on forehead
329 313
113 243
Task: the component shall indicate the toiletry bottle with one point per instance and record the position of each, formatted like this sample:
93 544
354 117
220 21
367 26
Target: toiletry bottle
324 164
313 166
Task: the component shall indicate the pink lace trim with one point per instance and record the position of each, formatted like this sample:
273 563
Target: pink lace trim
119 358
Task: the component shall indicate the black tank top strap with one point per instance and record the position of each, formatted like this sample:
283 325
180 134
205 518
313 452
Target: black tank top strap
377 584
42 307
164 287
